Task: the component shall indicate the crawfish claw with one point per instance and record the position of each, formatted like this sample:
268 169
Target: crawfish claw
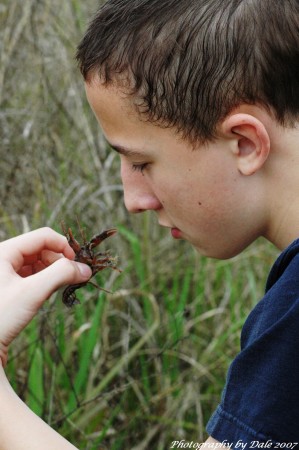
98 238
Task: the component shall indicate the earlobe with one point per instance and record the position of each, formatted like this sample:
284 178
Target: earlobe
252 141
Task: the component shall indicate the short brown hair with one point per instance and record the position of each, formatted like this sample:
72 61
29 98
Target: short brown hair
190 62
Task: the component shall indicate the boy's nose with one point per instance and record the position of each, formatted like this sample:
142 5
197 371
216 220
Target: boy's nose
138 201
138 196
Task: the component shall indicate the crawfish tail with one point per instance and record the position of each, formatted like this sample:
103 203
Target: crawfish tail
69 297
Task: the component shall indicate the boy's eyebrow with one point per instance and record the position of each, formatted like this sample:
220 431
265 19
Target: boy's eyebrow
126 151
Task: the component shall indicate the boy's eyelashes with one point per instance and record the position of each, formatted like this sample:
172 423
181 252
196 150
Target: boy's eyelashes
139 167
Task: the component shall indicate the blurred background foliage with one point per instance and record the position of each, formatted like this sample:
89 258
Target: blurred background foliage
145 365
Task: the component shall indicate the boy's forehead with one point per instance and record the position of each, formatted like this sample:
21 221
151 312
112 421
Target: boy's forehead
120 123
125 129
119 86
105 98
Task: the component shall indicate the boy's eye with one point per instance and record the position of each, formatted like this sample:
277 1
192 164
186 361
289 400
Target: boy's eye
139 167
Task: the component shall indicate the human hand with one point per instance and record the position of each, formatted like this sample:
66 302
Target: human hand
32 267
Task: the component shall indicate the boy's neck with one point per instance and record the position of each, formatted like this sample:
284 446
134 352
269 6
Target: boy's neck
282 174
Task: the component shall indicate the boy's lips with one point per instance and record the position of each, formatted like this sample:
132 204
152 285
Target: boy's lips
176 233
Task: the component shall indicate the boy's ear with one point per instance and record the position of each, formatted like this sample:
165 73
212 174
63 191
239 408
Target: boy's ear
252 141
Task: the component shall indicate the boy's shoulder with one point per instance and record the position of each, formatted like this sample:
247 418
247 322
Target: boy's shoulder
281 298
286 266
262 382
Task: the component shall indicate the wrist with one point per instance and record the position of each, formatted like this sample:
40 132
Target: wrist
3 354
4 382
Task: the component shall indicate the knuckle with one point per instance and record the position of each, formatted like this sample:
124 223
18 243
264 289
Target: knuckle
47 230
51 235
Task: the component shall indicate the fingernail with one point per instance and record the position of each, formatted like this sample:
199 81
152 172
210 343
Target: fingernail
84 269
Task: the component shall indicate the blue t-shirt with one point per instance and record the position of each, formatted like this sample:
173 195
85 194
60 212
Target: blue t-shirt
260 401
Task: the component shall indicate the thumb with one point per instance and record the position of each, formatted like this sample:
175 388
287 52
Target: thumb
60 273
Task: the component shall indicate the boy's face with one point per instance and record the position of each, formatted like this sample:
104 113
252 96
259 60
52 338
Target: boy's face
198 194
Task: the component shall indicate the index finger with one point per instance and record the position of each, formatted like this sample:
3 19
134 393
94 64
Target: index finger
16 250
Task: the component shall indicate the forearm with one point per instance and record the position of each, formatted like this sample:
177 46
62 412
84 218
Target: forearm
20 428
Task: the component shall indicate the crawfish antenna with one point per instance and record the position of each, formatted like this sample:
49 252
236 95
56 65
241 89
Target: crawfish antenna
81 231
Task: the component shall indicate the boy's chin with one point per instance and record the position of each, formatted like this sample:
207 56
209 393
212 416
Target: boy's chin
218 253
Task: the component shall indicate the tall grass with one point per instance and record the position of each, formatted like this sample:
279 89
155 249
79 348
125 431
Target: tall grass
145 365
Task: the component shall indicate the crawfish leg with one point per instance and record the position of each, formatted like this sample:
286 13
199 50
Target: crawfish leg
103 265
99 287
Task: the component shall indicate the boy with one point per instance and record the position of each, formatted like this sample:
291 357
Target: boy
201 101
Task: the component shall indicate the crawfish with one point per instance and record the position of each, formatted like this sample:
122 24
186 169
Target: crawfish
85 254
